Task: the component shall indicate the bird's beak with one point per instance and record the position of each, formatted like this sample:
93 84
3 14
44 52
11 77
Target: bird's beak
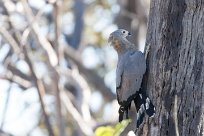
129 34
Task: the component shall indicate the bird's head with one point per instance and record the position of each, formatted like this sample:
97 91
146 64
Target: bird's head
118 34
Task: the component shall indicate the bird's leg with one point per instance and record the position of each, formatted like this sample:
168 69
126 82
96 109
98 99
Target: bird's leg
127 117
127 108
121 112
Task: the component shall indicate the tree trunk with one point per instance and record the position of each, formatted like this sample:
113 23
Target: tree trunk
175 71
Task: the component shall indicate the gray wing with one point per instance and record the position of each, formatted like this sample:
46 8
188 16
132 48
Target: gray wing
129 75
119 76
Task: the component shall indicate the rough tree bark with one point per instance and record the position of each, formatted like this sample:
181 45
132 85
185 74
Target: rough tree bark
175 76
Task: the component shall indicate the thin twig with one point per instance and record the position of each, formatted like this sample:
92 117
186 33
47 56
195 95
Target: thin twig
41 91
85 127
18 72
24 84
41 39
89 75
78 80
86 93
16 34
60 121
6 106
10 39
27 30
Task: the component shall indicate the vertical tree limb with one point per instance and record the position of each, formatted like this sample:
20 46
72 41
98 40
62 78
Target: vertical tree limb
59 119
41 39
175 67
41 91
84 126
10 40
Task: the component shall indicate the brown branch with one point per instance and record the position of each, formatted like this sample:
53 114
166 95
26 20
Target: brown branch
20 78
84 126
15 35
82 86
89 75
41 39
60 121
41 91
86 92
17 72
37 82
10 39
24 84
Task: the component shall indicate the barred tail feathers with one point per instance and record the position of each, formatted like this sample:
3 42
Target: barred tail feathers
143 104
140 109
150 109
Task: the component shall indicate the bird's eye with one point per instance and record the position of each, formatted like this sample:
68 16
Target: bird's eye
123 31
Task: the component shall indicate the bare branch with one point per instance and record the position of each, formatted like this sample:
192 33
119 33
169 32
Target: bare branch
41 91
84 126
15 35
24 84
10 39
27 31
17 72
82 102
41 39
90 76
86 92
59 120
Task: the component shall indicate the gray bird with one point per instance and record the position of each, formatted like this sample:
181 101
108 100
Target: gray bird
129 74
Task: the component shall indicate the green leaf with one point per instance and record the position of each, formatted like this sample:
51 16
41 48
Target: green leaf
112 131
104 131
119 127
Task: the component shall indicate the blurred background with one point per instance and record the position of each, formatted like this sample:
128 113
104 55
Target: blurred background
57 71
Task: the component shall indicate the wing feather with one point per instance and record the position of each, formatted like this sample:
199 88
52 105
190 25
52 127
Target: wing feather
130 70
